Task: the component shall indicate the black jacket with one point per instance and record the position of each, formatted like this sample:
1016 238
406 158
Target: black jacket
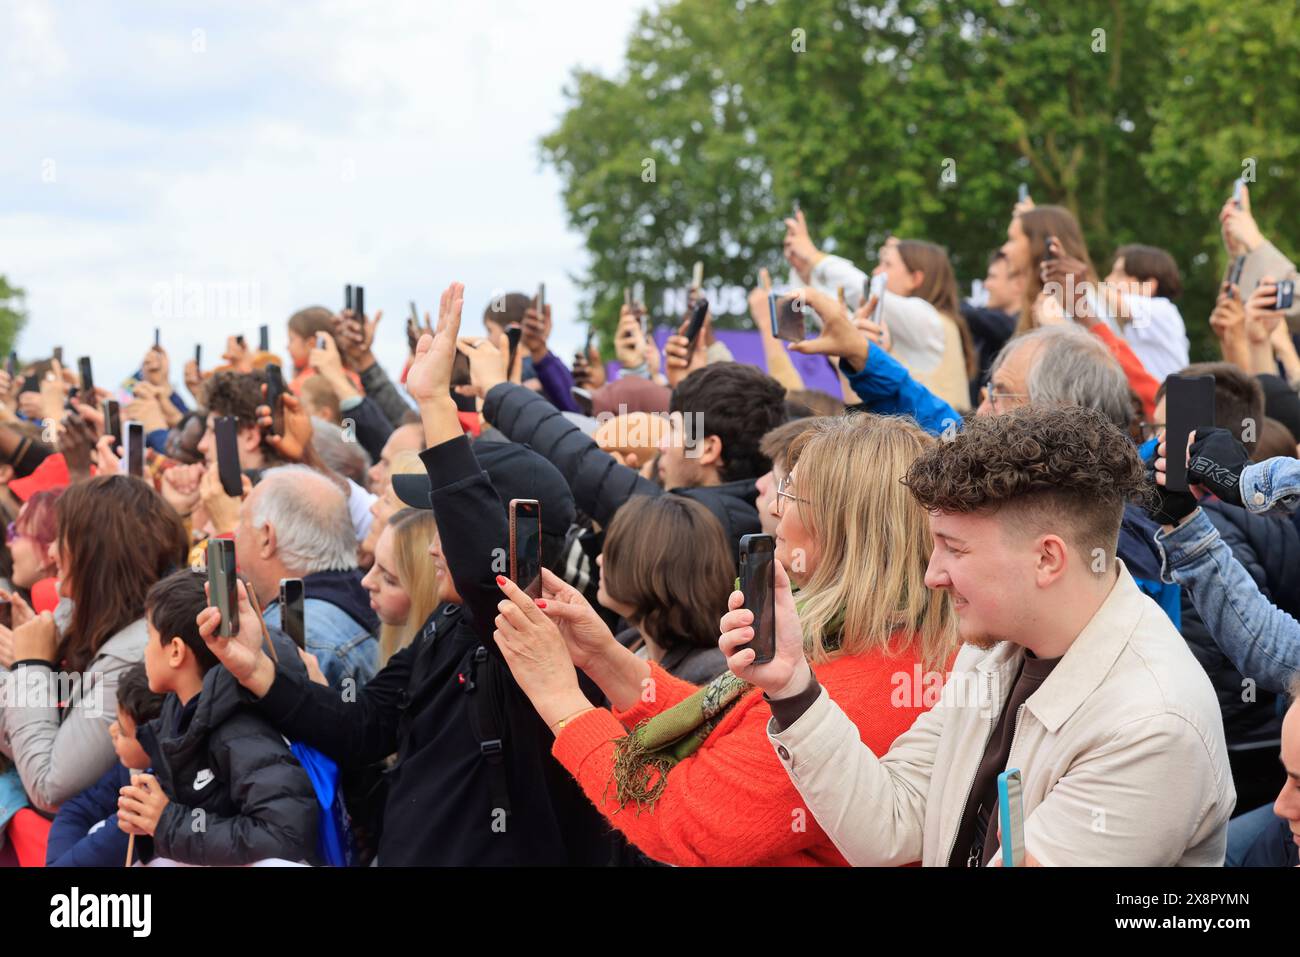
1269 548
1275 846
237 793
600 484
454 798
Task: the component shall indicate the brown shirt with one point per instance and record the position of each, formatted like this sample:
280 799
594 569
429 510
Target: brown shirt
975 845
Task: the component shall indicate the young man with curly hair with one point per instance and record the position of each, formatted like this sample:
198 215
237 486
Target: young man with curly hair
1069 673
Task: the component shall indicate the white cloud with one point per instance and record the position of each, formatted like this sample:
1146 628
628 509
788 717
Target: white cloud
305 146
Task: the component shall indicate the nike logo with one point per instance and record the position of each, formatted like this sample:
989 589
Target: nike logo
203 779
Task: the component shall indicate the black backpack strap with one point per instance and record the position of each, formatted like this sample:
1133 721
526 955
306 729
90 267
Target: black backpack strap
486 706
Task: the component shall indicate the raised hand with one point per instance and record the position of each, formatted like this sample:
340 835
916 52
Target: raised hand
839 337
487 362
294 441
242 653
789 670
429 378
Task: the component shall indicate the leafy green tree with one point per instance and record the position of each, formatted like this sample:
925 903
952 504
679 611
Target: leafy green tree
12 315
920 119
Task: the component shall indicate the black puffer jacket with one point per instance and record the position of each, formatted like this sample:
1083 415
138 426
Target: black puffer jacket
600 484
1269 548
220 757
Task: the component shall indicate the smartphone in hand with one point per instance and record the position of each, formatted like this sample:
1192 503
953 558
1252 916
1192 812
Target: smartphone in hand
1285 295
87 378
513 335
227 439
274 390
699 312
1189 406
112 413
758 583
292 616
133 449
526 545
1237 189
264 338
222 591
359 312
790 324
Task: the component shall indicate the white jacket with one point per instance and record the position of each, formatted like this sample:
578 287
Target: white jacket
1121 751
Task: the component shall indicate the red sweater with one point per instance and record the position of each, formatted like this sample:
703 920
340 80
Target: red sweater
1143 383
731 803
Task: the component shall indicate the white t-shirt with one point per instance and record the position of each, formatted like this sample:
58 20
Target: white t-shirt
1156 334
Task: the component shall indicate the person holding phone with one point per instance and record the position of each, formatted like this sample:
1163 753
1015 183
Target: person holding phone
403 582
694 782
1242 237
475 785
116 538
1021 506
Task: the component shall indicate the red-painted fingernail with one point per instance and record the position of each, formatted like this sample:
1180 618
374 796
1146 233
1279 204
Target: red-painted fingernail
501 579
541 603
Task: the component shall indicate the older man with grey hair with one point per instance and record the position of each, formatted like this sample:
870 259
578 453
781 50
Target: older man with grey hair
295 524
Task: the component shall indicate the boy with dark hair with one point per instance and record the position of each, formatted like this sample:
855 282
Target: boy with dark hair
225 790
1140 290
237 394
85 831
1070 674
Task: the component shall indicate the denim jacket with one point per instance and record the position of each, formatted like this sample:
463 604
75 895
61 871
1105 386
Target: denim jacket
344 648
1261 640
1271 484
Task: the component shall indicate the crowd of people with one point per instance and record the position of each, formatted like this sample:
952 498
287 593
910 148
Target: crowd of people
983 561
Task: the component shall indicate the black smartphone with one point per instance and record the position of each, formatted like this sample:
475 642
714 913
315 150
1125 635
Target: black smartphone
227 438
58 354
698 313
157 338
513 334
1285 294
198 355
292 621
275 389
112 419
222 592
758 583
347 296
359 309
1048 255
133 448
87 377
790 320
526 545
1189 405
264 338
11 364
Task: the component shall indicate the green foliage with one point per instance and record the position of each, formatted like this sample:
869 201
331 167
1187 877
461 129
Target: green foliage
1142 140
12 315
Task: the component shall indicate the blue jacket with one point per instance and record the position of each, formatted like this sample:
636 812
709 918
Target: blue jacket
886 388
85 831
340 625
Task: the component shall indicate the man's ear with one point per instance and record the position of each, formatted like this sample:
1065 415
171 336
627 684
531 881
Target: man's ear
1053 558
176 652
269 545
250 438
708 451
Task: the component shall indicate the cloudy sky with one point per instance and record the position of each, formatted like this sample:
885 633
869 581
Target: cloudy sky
166 161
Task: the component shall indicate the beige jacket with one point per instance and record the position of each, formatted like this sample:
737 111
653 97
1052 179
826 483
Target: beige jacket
1121 751
948 379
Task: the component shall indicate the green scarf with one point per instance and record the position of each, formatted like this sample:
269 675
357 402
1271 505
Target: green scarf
643 758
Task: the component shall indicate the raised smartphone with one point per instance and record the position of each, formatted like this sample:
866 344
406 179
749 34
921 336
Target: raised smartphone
133 448
1189 405
526 545
1285 294
224 430
112 413
292 620
264 338
758 583
274 390
221 584
790 324
87 378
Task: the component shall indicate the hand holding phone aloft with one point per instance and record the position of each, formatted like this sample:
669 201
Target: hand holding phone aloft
788 672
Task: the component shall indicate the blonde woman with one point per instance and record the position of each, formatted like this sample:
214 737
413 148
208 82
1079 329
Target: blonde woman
696 773
403 581
387 504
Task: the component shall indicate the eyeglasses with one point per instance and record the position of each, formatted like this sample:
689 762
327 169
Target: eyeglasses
783 492
997 398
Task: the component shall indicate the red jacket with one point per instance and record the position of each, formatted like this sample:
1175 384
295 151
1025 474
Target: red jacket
731 803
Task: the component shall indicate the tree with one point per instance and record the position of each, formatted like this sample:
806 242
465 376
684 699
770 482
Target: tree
919 119
12 315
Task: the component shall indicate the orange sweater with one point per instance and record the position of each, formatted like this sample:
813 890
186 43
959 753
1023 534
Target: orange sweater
731 803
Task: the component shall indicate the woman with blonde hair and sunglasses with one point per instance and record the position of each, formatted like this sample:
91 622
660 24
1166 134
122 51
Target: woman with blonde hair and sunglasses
693 765
403 581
